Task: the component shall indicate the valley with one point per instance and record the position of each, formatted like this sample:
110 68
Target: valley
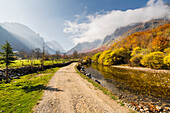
85 56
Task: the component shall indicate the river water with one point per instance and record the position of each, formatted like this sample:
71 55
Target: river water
133 85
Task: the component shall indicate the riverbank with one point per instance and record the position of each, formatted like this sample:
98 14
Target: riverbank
143 69
135 87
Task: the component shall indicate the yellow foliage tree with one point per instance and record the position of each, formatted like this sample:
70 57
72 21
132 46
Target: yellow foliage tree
153 60
95 57
135 51
167 60
102 56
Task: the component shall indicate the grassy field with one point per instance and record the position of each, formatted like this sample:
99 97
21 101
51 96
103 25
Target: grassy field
20 63
22 94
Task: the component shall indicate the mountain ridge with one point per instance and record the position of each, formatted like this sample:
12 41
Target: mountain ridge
22 37
55 46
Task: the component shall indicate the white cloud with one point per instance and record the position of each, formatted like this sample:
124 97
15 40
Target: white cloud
99 25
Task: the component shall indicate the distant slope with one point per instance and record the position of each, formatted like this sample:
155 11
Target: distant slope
118 32
55 46
156 38
126 31
16 44
23 37
85 47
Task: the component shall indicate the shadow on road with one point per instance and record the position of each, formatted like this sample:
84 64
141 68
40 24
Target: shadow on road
39 87
52 89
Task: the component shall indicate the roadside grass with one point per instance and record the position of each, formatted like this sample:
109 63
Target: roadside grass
103 89
35 62
21 95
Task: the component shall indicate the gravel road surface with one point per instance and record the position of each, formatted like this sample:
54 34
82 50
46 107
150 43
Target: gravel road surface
68 92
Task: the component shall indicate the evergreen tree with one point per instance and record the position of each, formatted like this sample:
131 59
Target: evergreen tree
7 56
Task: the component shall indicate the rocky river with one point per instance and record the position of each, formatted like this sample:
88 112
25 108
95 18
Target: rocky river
139 88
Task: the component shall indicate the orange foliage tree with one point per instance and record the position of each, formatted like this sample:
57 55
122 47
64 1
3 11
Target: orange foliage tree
159 43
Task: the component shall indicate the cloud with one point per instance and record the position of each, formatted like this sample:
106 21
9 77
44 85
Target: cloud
99 25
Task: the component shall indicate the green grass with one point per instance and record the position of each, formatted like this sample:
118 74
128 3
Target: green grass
21 95
103 89
21 63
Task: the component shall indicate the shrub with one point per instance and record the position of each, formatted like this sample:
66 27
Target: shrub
167 60
145 51
136 51
153 60
121 56
108 60
87 60
118 56
135 60
167 51
95 57
102 56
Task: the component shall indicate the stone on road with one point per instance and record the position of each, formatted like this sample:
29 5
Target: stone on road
68 92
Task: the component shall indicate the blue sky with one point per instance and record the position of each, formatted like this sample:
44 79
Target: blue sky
50 18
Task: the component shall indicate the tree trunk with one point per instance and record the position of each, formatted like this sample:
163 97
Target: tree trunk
7 74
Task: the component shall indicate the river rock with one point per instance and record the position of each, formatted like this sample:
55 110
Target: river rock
88 75
97 81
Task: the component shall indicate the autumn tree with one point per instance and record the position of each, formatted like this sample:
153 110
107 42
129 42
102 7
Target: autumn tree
22 54
159 43
57 54
167 60
75 54
167 51
102 56
95 57
135 60
135 51
153 60
37 52
7 57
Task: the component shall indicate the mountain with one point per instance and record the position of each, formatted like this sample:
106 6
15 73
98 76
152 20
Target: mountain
16 44
55 46
22 38
123 32
85 47
118 32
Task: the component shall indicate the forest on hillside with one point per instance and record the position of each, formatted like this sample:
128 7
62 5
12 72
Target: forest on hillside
149 48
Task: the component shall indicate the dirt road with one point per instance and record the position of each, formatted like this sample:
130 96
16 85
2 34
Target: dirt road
68 92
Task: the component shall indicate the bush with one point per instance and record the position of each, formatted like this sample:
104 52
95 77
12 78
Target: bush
108 60
119 56
167 51
153 60
136 51
95 57
102 56
167 60
145 51
135 60
87 60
